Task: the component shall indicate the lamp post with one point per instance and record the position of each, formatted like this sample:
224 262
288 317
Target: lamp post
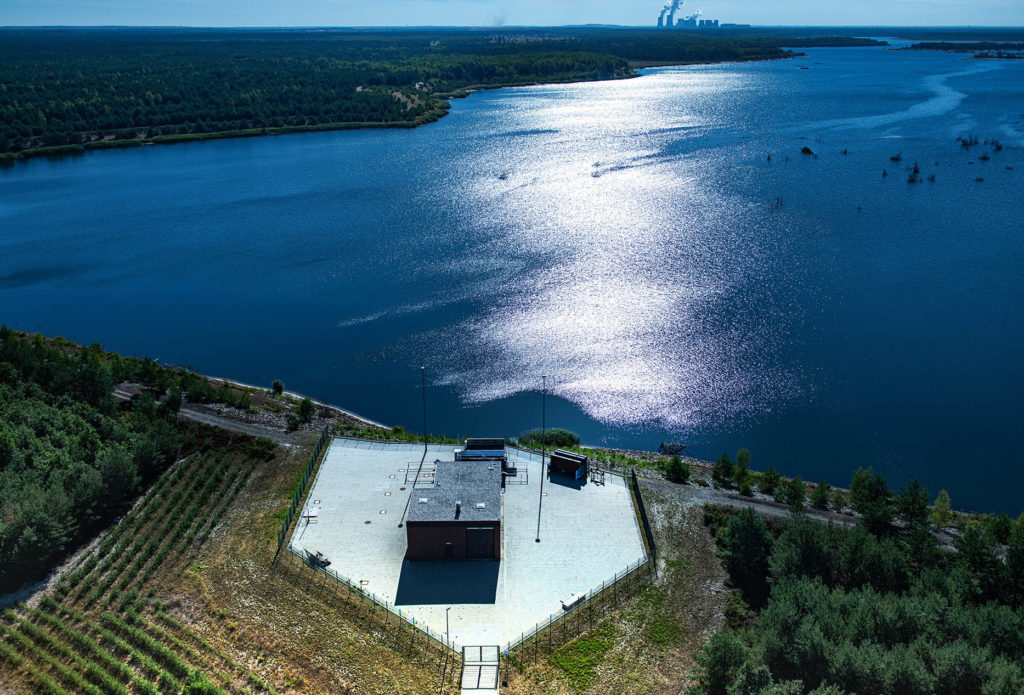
446 638
423 388
543 432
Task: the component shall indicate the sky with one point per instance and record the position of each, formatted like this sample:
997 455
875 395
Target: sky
501 12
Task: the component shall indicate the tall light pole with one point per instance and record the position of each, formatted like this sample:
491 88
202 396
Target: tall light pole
423 388
543 433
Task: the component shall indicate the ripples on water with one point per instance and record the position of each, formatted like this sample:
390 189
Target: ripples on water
638 282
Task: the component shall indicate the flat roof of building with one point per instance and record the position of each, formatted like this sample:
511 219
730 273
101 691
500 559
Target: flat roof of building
473 483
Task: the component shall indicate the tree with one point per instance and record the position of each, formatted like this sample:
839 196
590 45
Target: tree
978 558
719 660
722 471
839 500
742 473
999 527
277 387
120 476
796 492
912 505
1015 562
869 495
172 404
745 546
941 514
801 550
306 409
751 679
678 471
820 495
770 480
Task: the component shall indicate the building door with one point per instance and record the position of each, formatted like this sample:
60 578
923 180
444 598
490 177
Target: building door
449 551
480 542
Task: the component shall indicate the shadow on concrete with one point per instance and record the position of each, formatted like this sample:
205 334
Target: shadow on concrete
453 582
568 481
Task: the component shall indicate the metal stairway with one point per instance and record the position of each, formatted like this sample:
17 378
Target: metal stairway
479 670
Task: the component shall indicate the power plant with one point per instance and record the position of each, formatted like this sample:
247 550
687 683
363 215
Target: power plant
667 18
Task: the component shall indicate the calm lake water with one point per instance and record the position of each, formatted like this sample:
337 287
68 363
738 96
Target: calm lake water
630 239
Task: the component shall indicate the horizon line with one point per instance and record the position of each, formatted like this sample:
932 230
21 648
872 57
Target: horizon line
508 26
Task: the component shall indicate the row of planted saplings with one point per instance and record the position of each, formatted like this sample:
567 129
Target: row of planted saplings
82 581
171 506
85 664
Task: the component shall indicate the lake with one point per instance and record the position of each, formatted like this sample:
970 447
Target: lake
659 247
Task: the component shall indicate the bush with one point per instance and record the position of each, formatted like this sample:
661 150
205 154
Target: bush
718 662
941 514
839 500
745 545
796 493
820 495
742 473
306 409
769 480
262 448
554 438
869 495
277 387
722 471
677 470
292 422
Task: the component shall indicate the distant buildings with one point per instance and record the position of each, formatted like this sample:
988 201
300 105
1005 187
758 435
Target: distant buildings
693 23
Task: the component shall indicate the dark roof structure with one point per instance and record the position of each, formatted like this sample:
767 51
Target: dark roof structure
474 485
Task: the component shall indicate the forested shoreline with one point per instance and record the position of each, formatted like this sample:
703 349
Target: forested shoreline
876 608
68 90
71 456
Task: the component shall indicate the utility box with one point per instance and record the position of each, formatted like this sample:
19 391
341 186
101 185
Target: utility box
570 464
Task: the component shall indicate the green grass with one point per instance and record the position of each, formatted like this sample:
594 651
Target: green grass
662 632
579 659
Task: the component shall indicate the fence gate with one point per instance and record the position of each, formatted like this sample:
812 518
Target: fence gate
480 668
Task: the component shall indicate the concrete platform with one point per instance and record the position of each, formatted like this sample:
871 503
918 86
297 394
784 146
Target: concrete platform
588 534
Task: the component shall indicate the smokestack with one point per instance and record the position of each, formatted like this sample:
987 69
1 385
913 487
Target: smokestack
661 17
458 508
672 12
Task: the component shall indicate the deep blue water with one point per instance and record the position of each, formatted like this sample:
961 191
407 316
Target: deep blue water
630 239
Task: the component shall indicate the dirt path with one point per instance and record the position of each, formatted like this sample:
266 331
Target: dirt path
696 495
206 416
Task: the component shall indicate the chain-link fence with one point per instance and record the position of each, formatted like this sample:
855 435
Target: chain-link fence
300 491
388 623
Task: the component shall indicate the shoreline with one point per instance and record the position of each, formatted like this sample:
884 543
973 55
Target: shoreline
60 151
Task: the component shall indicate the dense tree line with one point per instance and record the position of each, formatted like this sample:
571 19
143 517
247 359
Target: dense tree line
61 88
877 608
70 457
968 46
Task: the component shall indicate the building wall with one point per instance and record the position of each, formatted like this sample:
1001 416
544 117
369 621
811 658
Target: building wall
426 540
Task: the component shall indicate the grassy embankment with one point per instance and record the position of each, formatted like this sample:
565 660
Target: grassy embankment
648 644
